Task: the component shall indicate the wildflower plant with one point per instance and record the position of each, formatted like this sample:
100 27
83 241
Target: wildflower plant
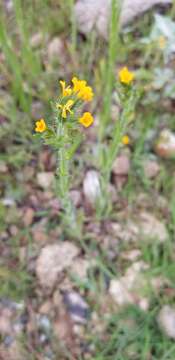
127 96
64 134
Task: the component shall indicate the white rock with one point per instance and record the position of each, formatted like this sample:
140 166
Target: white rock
151 228
127 289
52 260
79 268
166 320
119 292
92 14
45 179
91 186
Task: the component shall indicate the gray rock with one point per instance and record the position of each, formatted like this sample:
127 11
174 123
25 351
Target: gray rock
77 307
134 8
92 14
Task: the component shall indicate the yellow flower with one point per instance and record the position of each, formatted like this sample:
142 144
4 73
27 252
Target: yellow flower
83 91
125 140
79 85
162 42
125 76
40 126
66 108
86 120
66 91
86 94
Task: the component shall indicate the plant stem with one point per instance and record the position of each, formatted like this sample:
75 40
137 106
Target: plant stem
69 216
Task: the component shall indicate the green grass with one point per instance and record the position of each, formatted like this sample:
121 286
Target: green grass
134 334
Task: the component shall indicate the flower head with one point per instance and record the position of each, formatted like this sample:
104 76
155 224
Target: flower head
66 91
66 108
86 120
126 76
125 140
40 126
82 90
78 85
86 94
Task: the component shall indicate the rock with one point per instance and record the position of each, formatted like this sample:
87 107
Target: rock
52 260
128 289
36 40
166 320
151 228
46 308
44 324
3 167
129 232
5 321
131 255
76 197
151 168
134 8
45 179
9 202
92 14
77 307
79 269
28 216
165 144
55 49
39 234
91 187
120 293
12 318
121 165
145 227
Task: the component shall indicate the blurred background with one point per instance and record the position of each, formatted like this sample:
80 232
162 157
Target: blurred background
109 294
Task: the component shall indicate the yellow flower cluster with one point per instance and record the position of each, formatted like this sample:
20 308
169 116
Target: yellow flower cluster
79 90
126 77
82 90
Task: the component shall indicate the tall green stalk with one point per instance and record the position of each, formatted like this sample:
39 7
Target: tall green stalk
109 78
